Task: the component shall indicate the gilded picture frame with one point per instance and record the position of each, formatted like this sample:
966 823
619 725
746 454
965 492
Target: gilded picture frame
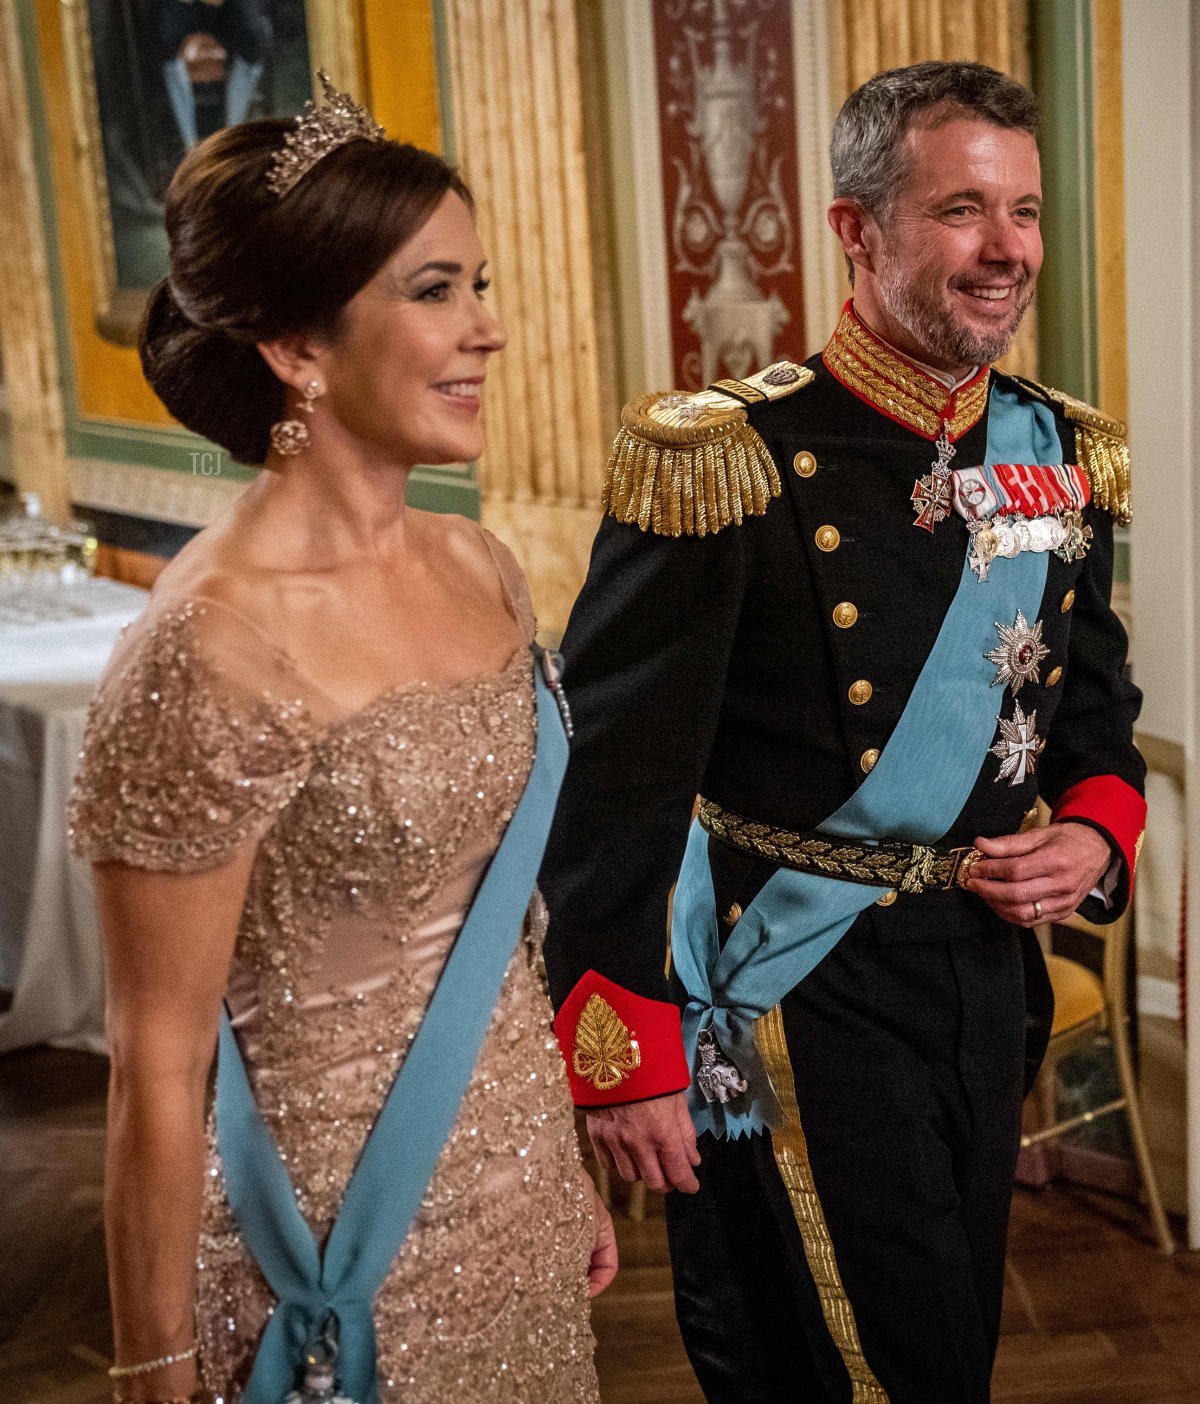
334 43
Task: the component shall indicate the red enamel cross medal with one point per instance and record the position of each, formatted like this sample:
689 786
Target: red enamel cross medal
933 494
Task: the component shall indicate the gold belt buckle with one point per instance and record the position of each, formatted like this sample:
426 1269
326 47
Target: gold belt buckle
937 870
962 868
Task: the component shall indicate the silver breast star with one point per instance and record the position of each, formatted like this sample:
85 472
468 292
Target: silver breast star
1019 653
1017 748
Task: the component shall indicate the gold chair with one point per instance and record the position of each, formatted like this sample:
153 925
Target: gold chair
1086 1005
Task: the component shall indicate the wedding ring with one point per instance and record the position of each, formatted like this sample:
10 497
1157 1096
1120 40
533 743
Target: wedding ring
1037 911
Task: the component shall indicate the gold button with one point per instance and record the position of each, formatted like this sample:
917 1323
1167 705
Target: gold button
866 762
860 692
828 538
733 915
1053 676
804 464
845 615
1068 601
887 899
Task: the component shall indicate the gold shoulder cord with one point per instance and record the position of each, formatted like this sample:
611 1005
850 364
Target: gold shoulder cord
1101 447
690 464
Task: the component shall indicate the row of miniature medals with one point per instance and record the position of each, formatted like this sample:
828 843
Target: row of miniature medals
1009 509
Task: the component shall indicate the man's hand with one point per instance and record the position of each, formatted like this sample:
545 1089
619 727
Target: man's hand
653 1141
1041 875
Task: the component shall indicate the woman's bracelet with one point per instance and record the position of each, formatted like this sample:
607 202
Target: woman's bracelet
123 1372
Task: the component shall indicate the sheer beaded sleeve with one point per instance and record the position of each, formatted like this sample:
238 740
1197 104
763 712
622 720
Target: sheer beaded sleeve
196 739
515 587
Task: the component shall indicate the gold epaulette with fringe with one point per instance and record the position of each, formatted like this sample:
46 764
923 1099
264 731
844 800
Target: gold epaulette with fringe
1101 447
690 464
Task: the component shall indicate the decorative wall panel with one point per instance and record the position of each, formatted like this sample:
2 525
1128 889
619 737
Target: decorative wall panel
727 128
730 105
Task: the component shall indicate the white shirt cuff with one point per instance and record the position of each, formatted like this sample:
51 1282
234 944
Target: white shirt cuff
1107 885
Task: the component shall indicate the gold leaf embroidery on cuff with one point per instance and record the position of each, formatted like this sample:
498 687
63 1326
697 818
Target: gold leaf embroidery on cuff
605 1051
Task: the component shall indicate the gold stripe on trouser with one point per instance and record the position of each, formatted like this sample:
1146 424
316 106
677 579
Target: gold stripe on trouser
791 1156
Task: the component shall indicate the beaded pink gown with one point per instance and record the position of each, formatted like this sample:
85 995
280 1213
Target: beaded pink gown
372 832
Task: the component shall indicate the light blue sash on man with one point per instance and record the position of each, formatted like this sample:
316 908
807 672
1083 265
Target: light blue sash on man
914 793
399 1157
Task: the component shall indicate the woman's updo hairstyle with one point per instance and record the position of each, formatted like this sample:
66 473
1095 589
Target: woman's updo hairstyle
248 266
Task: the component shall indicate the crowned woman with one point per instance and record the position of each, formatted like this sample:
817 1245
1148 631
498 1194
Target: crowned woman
317 780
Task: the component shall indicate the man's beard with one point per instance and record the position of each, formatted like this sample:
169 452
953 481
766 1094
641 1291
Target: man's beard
926 313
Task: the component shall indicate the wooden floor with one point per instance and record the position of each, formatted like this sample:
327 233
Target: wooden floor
1092 1314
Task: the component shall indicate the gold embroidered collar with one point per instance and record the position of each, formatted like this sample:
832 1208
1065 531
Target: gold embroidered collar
895 386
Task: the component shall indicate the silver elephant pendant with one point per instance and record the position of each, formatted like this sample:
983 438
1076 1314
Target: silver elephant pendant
718 1077
319 1387
320 1372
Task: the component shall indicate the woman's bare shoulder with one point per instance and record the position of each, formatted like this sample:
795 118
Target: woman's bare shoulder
496 572
471 547
217 568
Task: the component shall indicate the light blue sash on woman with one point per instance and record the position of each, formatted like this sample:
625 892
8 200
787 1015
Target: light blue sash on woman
914 793
402 1150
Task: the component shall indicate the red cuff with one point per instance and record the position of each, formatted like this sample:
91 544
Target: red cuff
619 1046
1112 804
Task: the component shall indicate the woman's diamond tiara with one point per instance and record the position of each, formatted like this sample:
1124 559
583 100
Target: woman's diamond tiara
320 130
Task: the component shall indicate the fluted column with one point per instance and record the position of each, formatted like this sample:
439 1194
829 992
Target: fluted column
518 136
890 33
879 34
26 320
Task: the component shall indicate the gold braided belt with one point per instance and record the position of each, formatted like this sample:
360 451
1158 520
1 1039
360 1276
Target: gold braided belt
907 867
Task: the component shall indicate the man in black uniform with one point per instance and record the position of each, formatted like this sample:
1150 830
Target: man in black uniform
862 608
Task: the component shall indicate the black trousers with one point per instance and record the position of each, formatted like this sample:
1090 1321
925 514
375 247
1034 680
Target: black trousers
908 1063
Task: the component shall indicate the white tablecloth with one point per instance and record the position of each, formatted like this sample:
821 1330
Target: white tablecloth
50 954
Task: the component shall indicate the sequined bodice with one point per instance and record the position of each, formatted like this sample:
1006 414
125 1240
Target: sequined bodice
371 831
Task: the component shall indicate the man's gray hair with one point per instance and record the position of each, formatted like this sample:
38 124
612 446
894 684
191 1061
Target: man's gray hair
867 149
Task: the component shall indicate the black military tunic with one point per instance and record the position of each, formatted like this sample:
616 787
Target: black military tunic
762 658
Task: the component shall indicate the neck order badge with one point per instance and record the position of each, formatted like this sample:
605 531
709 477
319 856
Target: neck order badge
914 793
325 1301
